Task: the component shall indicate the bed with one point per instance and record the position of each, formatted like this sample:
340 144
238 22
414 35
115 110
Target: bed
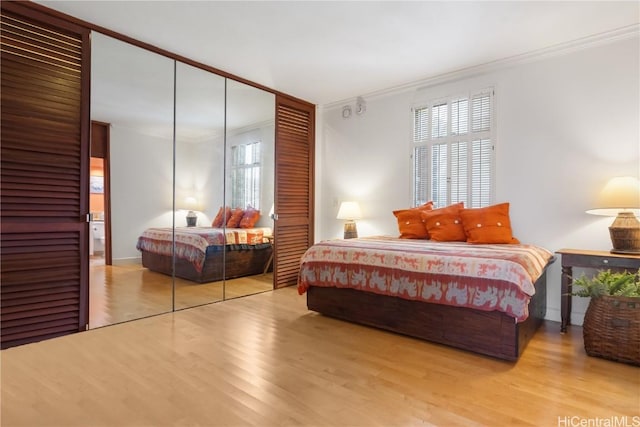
206 254
489 299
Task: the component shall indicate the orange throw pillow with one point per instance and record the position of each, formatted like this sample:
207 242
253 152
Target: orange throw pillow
428 206
222 216
249 218
236 217
488 225
445 224
410 222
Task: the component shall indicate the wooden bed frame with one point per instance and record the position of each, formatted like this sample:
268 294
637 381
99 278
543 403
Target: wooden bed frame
236 263
492 333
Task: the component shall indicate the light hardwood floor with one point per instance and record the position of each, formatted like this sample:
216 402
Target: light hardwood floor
121 293
264 360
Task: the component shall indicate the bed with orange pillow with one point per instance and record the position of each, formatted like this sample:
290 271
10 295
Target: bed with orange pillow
233 247
472 285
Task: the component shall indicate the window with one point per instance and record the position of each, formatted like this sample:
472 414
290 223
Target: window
245 175
453 151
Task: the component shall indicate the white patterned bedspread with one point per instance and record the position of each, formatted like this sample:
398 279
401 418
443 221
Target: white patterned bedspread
484 277
192 242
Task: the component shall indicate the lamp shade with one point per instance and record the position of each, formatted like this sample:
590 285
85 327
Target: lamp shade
349 210
621 193
190 203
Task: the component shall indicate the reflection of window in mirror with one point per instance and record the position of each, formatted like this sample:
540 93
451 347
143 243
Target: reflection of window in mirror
245 175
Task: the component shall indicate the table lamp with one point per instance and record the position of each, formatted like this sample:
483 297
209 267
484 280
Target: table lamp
349 211
621 198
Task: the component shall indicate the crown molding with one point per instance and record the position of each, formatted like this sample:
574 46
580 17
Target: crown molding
559 49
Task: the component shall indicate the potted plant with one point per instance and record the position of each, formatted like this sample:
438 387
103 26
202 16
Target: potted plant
611 327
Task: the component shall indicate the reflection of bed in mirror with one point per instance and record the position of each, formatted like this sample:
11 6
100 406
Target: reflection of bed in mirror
206 254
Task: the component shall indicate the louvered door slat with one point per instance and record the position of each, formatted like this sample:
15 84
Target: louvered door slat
42 177
46 71
295 127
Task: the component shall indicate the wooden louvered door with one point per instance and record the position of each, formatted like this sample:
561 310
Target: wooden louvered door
44 182
295 136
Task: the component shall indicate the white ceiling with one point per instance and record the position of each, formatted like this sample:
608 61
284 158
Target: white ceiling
328 51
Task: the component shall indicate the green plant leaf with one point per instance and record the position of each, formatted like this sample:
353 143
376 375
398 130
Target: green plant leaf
606 282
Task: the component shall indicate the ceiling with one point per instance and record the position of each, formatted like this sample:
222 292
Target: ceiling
326 51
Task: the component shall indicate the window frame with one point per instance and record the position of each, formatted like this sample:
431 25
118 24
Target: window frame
236 168
424 138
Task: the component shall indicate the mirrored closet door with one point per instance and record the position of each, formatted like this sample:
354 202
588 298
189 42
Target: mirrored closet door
132 92
191 186
199 186
249 189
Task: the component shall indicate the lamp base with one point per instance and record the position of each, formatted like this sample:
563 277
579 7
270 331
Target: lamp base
350 230
192 219
625 234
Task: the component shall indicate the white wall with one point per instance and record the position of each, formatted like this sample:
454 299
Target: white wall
565 125
200 174
141 188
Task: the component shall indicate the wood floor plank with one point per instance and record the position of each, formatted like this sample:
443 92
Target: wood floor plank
265 360
128 291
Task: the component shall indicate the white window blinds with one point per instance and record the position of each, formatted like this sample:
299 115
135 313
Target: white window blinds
453 151
245 175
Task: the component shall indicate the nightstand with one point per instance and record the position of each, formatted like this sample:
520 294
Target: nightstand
270 260
587 259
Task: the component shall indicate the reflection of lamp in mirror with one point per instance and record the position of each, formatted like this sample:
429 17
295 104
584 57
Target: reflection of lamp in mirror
349 211
192 217
621 198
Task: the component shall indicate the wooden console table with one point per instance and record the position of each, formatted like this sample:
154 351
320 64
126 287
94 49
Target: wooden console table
587 259
270 260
